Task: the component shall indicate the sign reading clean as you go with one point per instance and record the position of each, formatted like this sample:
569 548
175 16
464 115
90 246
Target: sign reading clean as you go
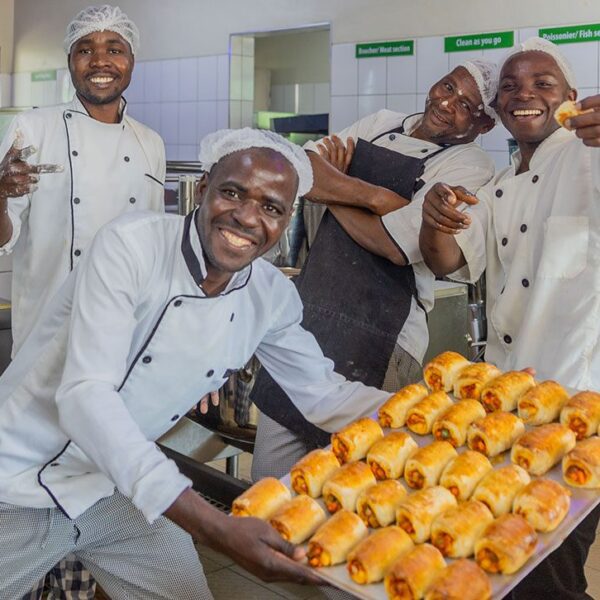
479 41
400 48
570 35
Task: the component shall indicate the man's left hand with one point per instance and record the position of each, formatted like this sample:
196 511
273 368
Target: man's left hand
338 155
587 126
203 404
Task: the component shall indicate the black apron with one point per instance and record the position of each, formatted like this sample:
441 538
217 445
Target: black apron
355 302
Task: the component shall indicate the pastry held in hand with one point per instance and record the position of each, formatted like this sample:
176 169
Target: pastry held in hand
452 425
345 485
471 379
393 412
353 441
506 545
581 413
499 487
503 392
369 561
462 580
581 466
543 403
439 373
462 474
539 449
424 467
262 499
298 519
544 503
567 110
423 414
387 456
495 433
377 505
334 539
310 473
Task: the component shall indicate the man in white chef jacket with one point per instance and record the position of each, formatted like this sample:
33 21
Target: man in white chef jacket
157 314
536 233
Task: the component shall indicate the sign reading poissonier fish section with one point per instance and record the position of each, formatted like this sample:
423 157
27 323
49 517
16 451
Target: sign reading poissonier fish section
572 34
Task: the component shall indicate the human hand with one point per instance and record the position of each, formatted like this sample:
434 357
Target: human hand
587 126
440 210
203 404
332 150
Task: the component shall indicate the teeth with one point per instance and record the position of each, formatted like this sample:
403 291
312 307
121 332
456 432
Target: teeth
527 113
236 240
101 79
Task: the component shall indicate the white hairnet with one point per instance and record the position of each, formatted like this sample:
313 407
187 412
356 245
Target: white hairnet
485 74
537 44
215 146
102 18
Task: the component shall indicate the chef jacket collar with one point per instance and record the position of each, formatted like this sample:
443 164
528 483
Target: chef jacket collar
411 122
194 257
554 139
78 106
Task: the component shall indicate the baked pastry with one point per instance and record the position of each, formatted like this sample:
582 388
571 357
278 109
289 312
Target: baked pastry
335 538
439 373
310 473
567 110
298 518
471 380
539 449
262 499
452 425
425 465
377 505
543 403
499 487
387 456
506 545
495 433
544 503
462 580
342 489
393 412
503 392
353 441
463 473
368 562
416 514
423 414
581 466
455 531
413 573
581 413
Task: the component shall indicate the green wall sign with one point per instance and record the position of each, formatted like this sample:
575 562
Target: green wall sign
49 75
479 41
570 35
400 48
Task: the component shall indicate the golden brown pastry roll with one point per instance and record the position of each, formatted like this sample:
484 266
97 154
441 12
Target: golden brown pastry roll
439 373
506 545
455 531
542 403
335 538
262 499
471 379
377 505
503 392
539 449
414 572
425 465
342 489
581 413
495 433
416 514
453 423
310 473
387 456
499 487
544 503
353 441
368 562
422 415
462 474
581 466
567 110
462 580
393 412
298 519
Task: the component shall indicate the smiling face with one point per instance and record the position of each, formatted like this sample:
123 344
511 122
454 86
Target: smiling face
245 205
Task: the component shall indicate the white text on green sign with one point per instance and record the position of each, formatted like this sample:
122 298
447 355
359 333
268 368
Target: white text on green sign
571 35
49 75
400 48
479 41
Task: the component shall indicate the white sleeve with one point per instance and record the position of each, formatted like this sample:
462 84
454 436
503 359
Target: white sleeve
91 411
294 359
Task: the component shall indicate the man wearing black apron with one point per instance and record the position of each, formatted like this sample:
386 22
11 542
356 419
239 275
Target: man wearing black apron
364 286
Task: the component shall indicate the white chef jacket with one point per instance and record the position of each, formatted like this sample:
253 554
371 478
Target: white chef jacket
78 416
109 169
464 164
537 234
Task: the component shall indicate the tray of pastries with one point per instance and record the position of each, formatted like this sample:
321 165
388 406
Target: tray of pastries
457 488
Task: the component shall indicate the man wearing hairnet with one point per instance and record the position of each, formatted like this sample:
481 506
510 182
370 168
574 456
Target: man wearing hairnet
157 314
69 169
365 288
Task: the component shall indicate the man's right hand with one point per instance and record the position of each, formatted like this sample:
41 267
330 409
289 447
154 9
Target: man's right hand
338 155
440 208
